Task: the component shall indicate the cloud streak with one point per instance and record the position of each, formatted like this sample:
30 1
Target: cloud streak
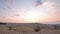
39 2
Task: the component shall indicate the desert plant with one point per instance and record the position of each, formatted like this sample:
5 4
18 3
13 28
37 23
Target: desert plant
56 27
10 28
2 23
37 28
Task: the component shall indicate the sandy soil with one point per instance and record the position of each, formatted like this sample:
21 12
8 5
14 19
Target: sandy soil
4 29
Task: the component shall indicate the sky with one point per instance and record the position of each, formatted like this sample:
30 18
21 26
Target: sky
29 11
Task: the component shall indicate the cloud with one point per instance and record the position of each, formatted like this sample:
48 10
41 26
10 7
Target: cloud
38 2
51 11
7 3
51 8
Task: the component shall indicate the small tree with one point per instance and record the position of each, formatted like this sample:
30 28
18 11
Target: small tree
37 28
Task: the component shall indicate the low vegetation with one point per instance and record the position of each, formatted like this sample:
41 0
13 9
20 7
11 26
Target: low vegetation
37 28
56 27
2 23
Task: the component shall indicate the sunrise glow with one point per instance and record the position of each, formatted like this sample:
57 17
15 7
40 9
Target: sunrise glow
26 11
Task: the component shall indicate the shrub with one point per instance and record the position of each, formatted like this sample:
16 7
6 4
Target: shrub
2 23
56 27
37 28
10 28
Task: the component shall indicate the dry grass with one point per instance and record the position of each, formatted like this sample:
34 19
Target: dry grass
4 29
